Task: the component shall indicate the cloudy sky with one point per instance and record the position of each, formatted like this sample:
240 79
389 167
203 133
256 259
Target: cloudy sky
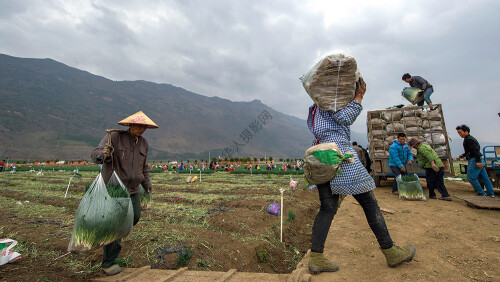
245 50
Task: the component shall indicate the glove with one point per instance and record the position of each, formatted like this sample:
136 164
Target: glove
435 168
107 151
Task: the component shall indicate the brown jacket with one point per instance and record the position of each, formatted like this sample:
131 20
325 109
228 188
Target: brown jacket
128 160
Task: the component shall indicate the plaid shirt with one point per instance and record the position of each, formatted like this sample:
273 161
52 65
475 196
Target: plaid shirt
333 127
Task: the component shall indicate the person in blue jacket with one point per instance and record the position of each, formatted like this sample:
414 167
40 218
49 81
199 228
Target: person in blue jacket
399 156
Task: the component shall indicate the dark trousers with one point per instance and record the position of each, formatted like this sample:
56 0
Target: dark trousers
396 171
435 180
328 209
112 250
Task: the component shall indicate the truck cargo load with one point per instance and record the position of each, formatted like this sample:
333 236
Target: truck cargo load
416 122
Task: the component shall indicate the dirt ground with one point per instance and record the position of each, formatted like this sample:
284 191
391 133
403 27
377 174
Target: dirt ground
453 241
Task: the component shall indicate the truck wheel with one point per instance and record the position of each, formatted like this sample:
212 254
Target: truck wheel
377 180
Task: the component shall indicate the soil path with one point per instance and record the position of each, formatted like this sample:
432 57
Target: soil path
454 242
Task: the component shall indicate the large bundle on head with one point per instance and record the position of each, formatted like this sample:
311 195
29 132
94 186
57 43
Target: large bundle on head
322 162
331 83
104 215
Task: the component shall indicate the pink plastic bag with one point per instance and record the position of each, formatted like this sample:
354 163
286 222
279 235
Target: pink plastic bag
7 255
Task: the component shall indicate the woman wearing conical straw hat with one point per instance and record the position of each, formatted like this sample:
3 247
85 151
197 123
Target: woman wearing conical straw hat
125 152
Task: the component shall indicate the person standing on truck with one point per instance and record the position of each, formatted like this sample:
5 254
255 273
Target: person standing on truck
475 166
424 85
328 126
359 151
429 160
399 156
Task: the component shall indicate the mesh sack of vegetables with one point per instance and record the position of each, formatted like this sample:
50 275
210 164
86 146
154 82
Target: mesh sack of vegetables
145 197
331 83
322 162
409 188
413 95
104 215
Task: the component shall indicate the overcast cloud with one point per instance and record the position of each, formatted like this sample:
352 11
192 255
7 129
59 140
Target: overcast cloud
246 50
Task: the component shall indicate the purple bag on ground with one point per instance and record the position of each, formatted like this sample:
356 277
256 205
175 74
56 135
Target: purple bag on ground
274 209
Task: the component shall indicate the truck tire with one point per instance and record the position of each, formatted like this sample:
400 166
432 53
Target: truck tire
377 180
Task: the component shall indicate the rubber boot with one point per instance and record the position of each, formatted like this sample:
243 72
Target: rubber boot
112 270
318 263
397 255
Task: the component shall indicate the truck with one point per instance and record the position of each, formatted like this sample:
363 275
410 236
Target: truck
491 155
421 122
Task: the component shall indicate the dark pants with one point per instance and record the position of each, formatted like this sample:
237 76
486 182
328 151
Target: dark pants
329 206
1 168
396 171
435 180
112 250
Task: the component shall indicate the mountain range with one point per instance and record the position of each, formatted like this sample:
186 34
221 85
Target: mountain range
54 111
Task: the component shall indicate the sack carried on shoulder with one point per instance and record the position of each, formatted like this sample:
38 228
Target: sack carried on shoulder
322 162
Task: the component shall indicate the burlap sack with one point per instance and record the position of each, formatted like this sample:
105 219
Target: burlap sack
321 162
331 83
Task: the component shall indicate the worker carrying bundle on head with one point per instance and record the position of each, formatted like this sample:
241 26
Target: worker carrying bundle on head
333 127
125 153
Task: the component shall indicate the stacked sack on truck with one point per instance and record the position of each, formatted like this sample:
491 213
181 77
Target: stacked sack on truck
415 122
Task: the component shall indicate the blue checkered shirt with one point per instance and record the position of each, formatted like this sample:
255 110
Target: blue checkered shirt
333 127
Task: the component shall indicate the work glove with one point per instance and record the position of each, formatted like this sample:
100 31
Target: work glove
435 168
107 151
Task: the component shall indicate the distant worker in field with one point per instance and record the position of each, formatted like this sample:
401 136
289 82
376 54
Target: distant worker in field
359 151
399 157
126 154
475 166
424 85
429 160
2 165
334 127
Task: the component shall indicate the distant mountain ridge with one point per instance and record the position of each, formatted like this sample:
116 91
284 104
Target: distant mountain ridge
53 111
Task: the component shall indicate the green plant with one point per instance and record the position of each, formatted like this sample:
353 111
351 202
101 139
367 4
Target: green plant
201 263
261 254
291 217
184 256
124 262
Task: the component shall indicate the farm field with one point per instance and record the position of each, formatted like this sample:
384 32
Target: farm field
223 224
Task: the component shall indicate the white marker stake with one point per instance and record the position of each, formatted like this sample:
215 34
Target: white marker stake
68 186
200 175
281 236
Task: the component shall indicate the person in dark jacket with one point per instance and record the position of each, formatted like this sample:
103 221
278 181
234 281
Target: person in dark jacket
125 153
475 166
421 83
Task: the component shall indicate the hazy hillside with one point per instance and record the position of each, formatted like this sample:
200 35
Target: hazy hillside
50 110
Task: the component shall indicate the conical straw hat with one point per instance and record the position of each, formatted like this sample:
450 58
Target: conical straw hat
139 118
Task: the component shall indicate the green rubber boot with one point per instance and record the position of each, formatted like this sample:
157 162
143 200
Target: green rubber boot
318 263
112 270
397 255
